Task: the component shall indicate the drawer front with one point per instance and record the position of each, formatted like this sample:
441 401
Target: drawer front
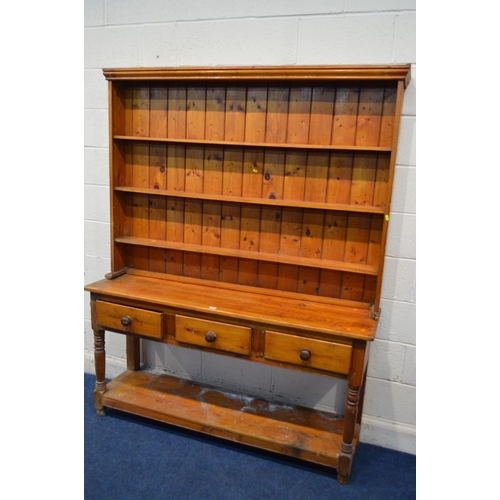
311 353
129 319
213 335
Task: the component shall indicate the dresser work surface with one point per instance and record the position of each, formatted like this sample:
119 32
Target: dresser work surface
249 217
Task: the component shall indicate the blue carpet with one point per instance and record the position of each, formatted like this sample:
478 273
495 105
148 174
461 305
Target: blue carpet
130 458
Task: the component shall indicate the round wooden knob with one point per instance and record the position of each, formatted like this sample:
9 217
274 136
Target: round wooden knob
126 320
305 354
210 336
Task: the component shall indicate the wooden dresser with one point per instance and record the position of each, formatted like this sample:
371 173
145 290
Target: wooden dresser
249 215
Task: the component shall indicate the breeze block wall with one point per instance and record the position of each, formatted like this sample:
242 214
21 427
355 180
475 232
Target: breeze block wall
127 33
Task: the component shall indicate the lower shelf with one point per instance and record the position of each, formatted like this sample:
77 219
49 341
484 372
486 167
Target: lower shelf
291 430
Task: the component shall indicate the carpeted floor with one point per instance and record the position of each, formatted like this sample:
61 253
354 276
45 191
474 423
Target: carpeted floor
130 458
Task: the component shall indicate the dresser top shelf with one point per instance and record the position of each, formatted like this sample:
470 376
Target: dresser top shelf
260 309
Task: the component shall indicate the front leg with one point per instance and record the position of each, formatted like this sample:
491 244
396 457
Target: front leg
346 447
100 370
351 409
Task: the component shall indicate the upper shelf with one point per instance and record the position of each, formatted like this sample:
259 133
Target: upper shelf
337 207
324 147
301 73
327 264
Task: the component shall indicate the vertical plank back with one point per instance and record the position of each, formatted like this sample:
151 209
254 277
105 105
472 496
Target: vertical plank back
232 180
157 175
193 209
176 167
212 179
140 173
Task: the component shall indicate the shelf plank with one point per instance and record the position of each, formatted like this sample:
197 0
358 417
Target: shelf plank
342 207
246 254
292 430
323 147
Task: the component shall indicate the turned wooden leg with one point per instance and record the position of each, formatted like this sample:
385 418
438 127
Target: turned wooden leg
100 370
361 398
351 409
346 448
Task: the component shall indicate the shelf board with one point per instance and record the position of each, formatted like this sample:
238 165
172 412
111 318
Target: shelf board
341 207
322 147
309 434
246 254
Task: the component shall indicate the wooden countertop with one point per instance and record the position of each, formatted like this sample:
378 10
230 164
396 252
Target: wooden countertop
262 309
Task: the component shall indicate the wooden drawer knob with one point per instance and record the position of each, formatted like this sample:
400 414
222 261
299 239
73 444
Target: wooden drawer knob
305 354
210 336
126 321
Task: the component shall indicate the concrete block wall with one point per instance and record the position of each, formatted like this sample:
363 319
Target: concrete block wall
124 33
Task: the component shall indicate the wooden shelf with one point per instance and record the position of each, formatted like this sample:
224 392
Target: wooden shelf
338 207
246 254
245 144
291 430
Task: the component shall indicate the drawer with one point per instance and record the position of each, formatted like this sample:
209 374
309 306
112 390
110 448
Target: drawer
129 319
213 335
311 353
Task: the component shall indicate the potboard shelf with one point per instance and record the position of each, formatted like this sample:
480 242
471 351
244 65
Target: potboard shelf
288 429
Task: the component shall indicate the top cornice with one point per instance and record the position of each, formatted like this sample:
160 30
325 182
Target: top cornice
301 73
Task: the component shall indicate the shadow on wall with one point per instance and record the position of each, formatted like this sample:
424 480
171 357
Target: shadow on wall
278 384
